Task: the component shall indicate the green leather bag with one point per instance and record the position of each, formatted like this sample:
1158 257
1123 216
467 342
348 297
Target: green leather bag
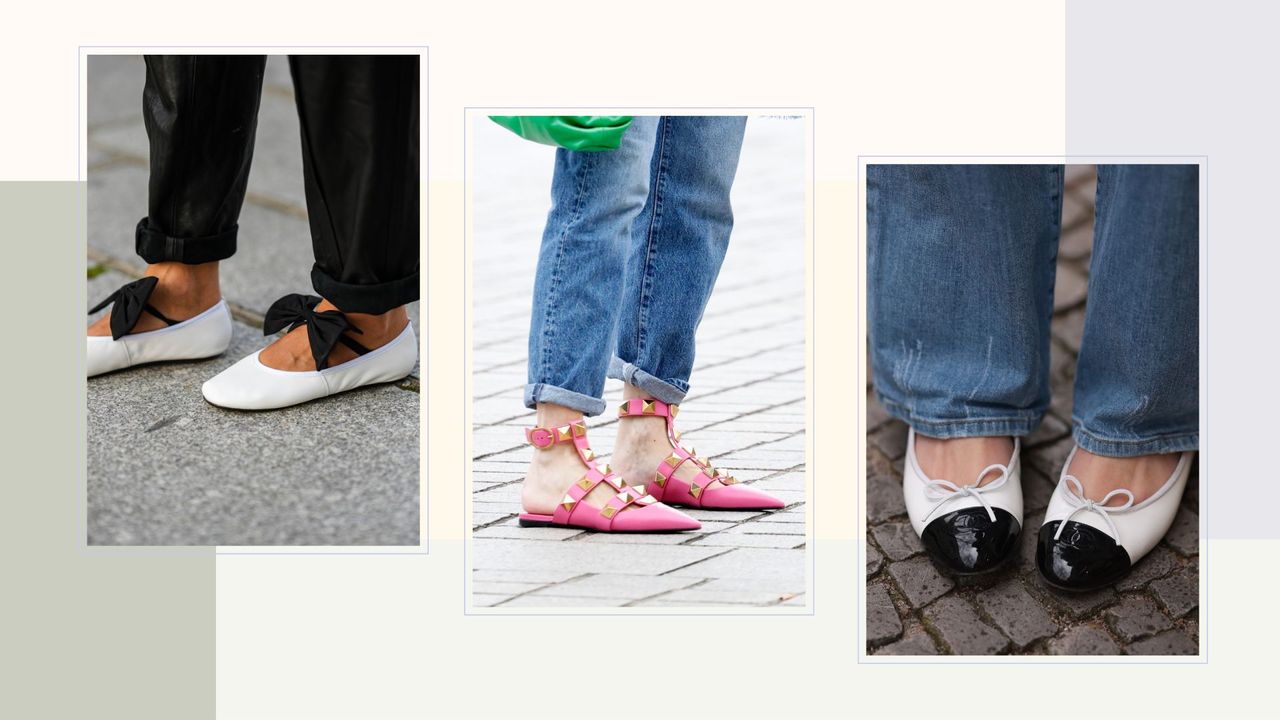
583 133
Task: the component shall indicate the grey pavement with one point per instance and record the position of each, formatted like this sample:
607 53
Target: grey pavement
166 468
914 609
746 408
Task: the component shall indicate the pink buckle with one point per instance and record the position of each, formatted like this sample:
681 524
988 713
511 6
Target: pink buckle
541 438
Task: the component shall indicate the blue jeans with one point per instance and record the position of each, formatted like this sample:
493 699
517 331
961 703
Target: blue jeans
632 247
961 266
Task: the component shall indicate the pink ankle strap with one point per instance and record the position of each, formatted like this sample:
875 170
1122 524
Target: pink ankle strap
643 406
544 437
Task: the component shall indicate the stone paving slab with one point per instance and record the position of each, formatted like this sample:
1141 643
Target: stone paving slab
746 409
1150 611
167 468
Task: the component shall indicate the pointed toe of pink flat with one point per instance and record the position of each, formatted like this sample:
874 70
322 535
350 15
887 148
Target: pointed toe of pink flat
739 497
654 518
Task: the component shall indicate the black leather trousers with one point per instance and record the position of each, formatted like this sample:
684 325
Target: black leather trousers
359 119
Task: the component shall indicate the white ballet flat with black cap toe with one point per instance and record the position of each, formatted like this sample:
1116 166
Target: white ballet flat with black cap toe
1087 545
250 385
967 529
203 336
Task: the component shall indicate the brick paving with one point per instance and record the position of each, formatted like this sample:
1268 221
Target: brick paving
746 409
913 609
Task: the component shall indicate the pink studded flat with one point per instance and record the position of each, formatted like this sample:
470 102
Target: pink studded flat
709 489
630 510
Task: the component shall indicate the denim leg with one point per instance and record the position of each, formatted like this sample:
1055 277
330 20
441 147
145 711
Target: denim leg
677 245
595 198
960 264
1137 379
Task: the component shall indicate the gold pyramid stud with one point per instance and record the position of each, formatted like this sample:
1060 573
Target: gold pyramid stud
639 490
564 433
677 434
715 472
694 490
568 502
660 479
608 511
647 500
625 497
588 455
624 408
672 461
585 483
648 408
606 469
674 409
622 482
579 429
728 480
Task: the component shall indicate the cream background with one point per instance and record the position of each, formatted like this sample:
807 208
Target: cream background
382 636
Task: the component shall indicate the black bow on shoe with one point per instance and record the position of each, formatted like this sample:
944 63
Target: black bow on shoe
324 329
130 301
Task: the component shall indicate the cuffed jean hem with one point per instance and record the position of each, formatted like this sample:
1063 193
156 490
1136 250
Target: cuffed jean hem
154 246
1129 447
945 429
634 376
370 299
535 393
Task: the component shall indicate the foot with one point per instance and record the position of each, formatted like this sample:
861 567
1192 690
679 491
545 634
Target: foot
182 292
968 520
641 447
292 351
961 459
1084 544
1143 475
554 469
643 444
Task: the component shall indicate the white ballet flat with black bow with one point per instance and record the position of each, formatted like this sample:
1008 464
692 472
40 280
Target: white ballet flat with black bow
1086 544
250 385
203 336
967 529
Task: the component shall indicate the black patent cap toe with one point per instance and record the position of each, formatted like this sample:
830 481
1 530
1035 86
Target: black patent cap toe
968 542
1082 558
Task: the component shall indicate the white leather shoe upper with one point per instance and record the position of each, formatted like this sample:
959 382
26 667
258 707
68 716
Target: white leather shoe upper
250 385
204 335
927 499
1136 528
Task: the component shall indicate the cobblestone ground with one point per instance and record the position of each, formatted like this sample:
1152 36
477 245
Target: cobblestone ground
746 409
166 468
913 609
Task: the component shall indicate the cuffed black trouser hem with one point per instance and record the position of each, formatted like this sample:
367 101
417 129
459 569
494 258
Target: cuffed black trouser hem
371 299
154 246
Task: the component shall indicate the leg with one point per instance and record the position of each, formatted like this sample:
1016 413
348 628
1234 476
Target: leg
1137 378
960 269
359 118
596 197
200 112
678 244
1136 411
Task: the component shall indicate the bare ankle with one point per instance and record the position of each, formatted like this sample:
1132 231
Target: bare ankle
960 460
390 323
1142 475
185 290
